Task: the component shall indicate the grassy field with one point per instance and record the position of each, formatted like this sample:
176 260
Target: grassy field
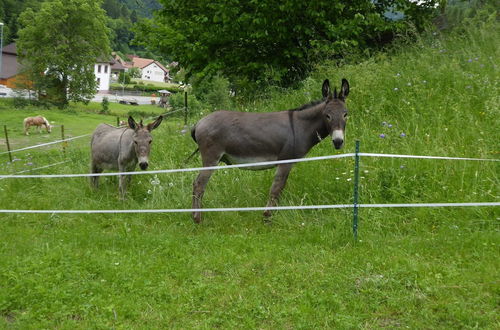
411 268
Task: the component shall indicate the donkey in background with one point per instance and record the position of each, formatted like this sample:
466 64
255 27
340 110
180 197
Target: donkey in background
241 137
121 148
37 121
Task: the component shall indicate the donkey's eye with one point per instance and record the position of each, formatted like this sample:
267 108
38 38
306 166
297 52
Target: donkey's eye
135 142
150 141
345 115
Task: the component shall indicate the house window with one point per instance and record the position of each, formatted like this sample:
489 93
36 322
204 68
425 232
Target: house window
99 68
105 69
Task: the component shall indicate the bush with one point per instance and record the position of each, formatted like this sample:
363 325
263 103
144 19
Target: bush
105 105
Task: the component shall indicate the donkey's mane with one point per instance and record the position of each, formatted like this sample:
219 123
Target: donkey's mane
307 106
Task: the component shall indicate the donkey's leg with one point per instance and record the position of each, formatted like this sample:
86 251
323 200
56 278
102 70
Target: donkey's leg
94 180
209 158
198 190
278 184
123 186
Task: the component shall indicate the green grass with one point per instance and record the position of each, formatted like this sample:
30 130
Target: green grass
414 268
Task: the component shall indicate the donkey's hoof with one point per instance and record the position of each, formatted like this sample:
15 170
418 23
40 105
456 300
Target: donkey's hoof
197 217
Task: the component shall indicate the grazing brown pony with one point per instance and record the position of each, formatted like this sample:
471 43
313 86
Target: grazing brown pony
242 137
37 121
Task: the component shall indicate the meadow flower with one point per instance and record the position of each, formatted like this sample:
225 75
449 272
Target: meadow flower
170 184
469 60
424 81
155 181
396 89
150 192
389 125
29 164
408 84
402 135
384 123
382 136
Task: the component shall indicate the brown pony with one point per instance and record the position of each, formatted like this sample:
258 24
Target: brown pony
37 121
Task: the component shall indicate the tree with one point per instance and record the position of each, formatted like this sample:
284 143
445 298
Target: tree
60 44
270 41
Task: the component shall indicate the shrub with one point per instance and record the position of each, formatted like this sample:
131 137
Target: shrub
105 105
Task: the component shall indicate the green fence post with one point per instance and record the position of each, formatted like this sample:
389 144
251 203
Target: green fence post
63 143
7 142
185 108
356 193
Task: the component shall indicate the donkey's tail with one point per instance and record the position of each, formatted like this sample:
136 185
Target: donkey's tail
193 133
191 156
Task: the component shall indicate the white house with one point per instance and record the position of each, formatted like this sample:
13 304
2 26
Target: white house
102 71
153 72
150 69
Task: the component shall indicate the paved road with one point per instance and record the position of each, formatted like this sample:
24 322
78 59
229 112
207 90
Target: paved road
117 98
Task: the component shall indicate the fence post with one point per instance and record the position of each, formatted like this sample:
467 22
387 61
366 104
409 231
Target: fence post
185 108
356 193
63 143
7 141
117 121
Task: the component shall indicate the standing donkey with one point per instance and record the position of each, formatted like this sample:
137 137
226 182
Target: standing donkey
121 149
240 137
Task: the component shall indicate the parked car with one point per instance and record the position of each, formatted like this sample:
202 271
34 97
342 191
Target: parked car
6 91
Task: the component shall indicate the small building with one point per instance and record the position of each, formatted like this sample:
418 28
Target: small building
9 76
150 69
117 67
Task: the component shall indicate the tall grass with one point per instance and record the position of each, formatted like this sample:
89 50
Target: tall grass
415 268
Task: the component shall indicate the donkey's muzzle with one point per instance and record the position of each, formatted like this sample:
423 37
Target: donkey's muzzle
338 143
338 138
143 165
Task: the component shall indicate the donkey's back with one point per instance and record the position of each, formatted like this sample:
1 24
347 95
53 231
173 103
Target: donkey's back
105 145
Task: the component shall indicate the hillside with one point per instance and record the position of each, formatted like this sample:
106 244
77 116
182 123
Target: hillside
417 268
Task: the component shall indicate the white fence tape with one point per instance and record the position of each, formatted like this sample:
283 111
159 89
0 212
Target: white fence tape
44 144
275 208
193 169
39 168
367 154
297 160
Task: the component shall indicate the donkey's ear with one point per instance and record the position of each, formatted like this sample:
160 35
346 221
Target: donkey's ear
326 88
131 123
155 124
344 90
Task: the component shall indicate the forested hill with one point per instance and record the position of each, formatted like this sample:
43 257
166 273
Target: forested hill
122 14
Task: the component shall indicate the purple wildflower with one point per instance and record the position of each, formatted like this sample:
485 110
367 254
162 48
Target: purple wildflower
382 136
402 135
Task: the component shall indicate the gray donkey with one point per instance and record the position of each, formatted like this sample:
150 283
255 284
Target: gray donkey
244 137
121 148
